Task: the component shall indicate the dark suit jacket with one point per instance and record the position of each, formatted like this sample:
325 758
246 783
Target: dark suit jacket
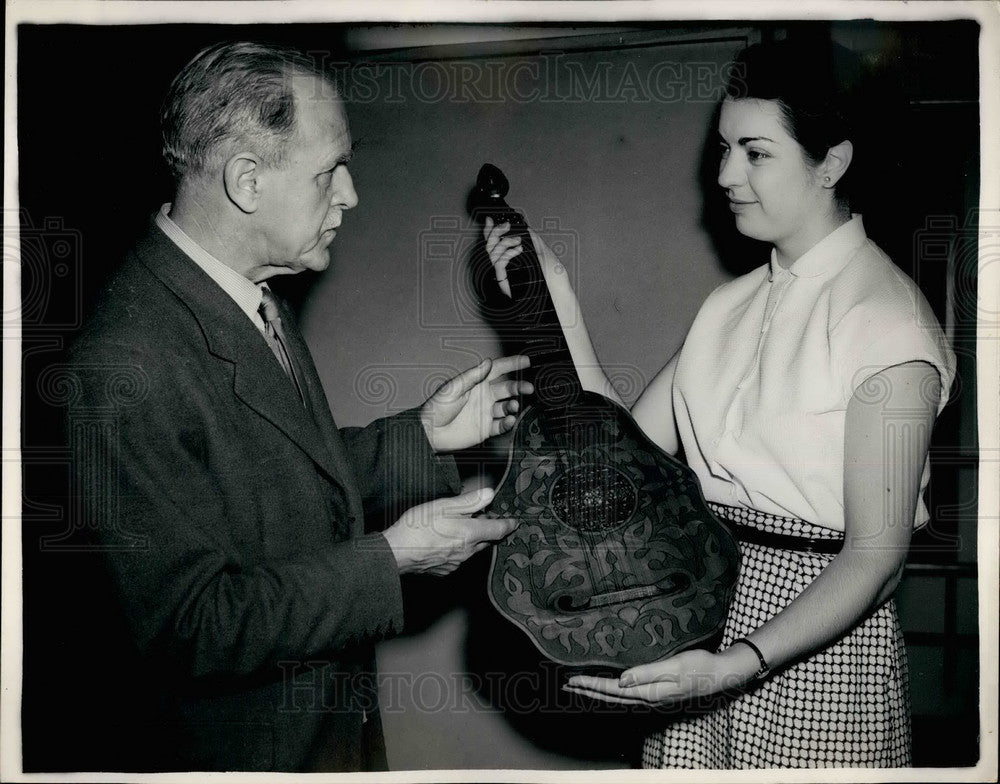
232 520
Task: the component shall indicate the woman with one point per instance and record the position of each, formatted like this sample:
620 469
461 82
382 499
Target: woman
803 397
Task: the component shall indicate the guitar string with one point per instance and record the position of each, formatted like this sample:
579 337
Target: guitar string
529 267
598 553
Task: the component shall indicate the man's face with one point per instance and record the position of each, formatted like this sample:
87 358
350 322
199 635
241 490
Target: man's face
303 200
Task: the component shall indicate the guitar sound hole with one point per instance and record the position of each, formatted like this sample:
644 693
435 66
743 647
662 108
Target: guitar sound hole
593 498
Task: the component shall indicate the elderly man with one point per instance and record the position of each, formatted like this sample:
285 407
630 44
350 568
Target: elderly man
234 525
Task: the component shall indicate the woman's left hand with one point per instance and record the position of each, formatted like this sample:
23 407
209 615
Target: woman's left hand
687 675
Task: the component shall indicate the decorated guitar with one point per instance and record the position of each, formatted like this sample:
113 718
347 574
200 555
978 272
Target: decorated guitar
617 560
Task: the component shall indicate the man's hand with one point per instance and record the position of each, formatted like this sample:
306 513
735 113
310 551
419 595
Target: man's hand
474 405
436 537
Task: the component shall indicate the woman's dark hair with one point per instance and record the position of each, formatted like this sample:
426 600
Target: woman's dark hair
818 88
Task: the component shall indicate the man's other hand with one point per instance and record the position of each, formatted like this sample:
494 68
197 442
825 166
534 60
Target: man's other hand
475 405
436 537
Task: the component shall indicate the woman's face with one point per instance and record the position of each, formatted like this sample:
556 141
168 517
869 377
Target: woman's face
775 193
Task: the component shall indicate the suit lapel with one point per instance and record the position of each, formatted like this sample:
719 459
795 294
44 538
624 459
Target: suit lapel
259 380
317 400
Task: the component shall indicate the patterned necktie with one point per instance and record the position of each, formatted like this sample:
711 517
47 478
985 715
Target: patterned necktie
275 337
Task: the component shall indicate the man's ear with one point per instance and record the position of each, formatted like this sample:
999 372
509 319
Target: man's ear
241 177
834 166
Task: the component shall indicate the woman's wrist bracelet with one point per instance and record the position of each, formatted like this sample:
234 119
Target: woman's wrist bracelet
765 668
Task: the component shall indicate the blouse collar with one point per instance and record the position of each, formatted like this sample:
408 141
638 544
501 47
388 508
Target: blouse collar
826 257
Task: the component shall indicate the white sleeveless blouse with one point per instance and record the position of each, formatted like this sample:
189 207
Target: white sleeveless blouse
772 360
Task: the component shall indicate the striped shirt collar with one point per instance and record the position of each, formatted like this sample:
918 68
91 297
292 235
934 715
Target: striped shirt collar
244 292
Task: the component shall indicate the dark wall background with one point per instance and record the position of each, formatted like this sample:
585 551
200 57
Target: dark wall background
625 184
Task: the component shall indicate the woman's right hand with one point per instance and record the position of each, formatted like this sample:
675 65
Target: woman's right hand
502 248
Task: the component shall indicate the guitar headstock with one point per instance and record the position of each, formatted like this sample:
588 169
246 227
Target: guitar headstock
491 184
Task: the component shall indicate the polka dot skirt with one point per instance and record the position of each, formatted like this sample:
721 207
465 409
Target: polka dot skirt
847 705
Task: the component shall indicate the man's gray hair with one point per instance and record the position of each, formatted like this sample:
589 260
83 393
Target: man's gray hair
230 97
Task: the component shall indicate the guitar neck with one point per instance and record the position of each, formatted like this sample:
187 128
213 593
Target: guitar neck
532 326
